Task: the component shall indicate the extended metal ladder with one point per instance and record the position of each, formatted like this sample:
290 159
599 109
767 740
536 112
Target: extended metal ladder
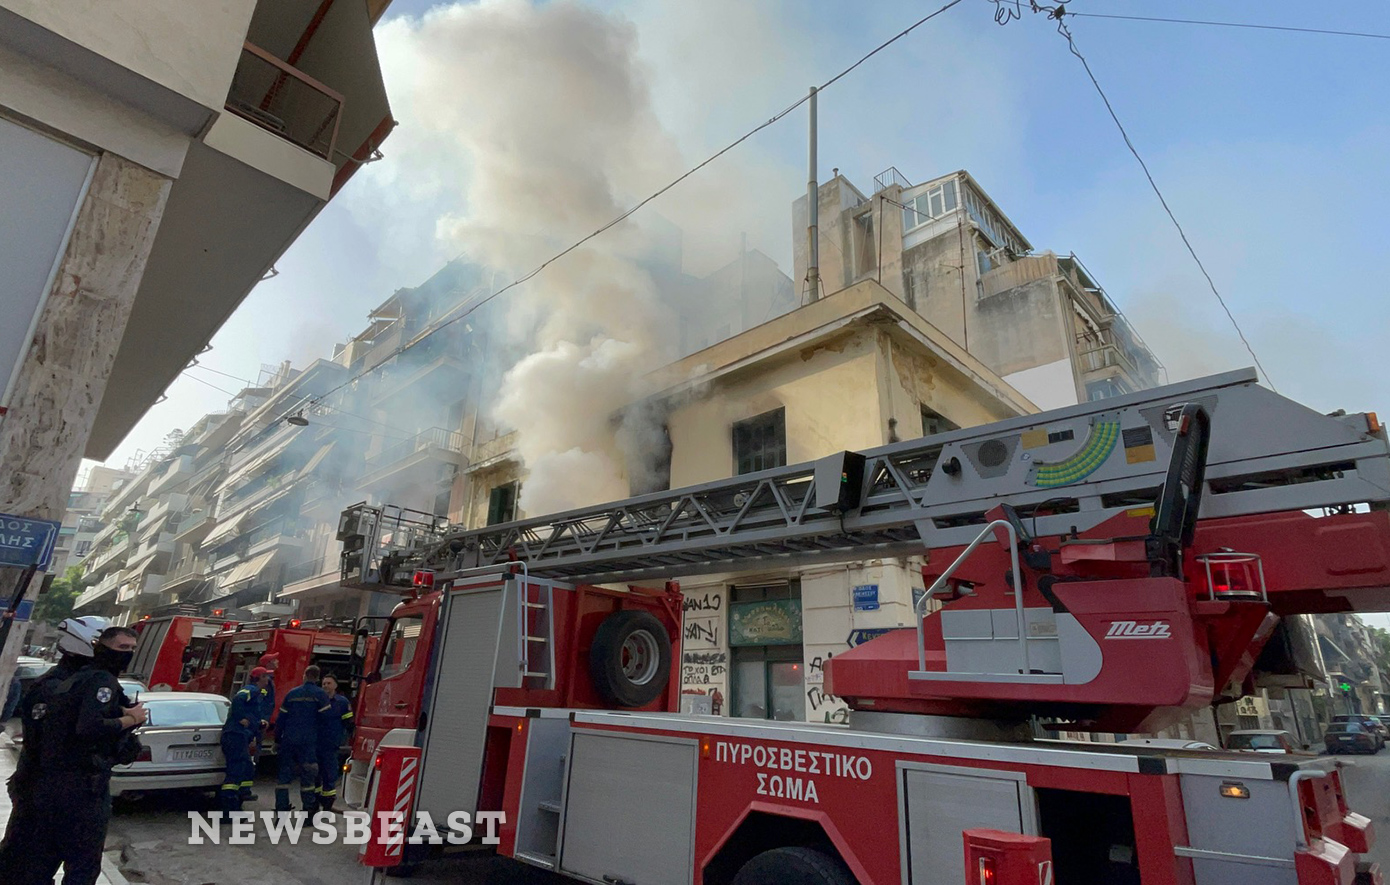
1086 463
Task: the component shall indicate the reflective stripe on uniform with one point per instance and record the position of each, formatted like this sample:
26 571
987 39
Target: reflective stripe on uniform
347 715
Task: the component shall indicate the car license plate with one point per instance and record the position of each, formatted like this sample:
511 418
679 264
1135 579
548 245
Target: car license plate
192 754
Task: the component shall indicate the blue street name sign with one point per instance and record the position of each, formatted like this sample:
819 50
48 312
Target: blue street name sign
27 542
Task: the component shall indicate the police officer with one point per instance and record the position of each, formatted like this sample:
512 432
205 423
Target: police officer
239 734
85 733
297 741
75 639
333 731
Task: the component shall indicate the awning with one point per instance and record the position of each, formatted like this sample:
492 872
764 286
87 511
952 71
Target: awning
226 529
93 595
315 461
246 571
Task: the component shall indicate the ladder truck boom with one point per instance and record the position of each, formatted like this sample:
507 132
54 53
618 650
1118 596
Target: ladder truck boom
1070 468
1110 566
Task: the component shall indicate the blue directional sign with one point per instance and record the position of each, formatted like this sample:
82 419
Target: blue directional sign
859 637
27 542
866 598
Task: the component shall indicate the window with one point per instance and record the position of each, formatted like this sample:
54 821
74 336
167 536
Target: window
172 712
934 422
768 684
83 548
760 443
501 505
930 204
649 470
910 288
400 645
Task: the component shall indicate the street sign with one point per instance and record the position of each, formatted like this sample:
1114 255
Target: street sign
26 542
859 637
866 598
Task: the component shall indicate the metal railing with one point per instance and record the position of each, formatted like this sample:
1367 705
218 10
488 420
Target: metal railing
890 176
434 438
194 567
284 100
919 610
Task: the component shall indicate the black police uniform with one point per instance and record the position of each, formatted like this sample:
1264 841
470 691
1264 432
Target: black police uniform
81 741
33 710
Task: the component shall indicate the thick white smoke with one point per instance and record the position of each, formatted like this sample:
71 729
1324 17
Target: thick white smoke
550 110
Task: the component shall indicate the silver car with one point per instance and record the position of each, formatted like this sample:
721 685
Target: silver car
182 744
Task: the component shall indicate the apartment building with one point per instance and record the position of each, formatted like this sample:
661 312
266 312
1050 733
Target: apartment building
949 252
82 519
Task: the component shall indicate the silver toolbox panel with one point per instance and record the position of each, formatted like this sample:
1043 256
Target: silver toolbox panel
939 802
458 708
1239 841
629 809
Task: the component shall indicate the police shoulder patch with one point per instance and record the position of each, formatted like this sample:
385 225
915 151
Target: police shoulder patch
104 695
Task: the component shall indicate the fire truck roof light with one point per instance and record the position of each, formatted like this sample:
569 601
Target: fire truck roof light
988 873
295 622
423 578
1234 790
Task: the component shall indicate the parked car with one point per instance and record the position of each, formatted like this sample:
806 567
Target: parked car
1370 723
1169 743
182 748
1351 737
1262 740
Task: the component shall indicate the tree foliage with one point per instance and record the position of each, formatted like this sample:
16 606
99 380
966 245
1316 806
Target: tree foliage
55 605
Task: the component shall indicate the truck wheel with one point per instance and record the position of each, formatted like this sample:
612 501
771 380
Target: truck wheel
794 866
630 660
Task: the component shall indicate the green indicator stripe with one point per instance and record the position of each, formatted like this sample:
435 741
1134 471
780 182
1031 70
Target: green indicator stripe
1098 447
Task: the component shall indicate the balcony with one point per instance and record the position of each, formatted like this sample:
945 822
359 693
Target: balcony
285 101
417 455
141 588
440 359
256 492
154 551
99 591
283 532
174 471
186 573
114 554
175 503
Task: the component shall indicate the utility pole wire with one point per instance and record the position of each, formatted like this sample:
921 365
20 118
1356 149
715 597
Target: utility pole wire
450 320
1216 24
1071 44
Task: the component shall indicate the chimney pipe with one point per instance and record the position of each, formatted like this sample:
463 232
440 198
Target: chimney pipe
813 207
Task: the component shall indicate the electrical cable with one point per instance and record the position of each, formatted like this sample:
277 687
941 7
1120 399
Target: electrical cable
1059 14
313 403
1247 25
443 323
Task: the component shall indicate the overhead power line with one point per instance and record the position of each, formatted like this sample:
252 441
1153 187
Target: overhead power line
471 307
1216 24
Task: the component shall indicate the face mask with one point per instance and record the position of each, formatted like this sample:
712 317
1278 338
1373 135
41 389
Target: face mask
114 662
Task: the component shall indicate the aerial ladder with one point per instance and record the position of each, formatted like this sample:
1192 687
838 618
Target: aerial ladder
1109 566
1106 515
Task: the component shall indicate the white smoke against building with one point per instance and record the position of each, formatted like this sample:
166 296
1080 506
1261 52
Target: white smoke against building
550 114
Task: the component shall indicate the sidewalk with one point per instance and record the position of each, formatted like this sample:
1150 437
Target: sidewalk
110 873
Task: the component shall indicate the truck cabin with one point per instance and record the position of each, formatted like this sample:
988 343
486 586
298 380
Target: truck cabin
231 655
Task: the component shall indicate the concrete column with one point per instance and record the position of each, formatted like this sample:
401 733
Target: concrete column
64 375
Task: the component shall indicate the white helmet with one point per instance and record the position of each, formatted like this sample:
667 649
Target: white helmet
79 635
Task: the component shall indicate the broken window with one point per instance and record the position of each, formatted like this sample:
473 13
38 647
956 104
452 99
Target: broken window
501 505
760 443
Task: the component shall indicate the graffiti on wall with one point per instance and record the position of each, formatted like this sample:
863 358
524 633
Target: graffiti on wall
704 653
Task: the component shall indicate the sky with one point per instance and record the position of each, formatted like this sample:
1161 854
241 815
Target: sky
1269 147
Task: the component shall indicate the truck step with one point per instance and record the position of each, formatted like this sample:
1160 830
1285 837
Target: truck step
547 861
534 673
550 805
537 639
533 604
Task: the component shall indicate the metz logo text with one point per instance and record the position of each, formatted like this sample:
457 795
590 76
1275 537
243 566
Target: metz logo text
1136 630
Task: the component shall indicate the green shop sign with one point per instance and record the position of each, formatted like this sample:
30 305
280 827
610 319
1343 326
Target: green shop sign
775 622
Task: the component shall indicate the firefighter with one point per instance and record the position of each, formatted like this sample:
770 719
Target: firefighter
86 730
75 640
239 735
297 741
335 728
265 706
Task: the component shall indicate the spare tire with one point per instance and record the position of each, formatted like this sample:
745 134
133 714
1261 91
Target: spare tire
630 660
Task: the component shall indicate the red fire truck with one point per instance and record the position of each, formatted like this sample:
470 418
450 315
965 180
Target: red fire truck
232 653
169 648
1111 566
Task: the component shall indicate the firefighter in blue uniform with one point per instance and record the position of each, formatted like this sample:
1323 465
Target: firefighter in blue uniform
297 728
335 728
239 734
265 706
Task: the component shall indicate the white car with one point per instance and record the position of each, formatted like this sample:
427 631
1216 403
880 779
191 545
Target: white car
1261 740
182 744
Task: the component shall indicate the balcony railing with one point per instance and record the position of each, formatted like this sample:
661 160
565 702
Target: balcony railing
282 99
434 438
193 567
